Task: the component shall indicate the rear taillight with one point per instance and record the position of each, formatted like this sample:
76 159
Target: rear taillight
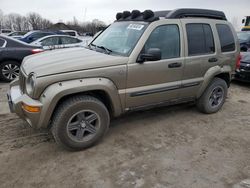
238 62
35 51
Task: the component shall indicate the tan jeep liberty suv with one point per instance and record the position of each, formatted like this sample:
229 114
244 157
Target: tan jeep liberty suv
142 60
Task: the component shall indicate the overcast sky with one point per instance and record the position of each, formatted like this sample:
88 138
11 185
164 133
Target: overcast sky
105 10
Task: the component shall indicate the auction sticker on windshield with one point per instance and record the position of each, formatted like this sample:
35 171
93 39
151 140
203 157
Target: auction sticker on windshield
135 26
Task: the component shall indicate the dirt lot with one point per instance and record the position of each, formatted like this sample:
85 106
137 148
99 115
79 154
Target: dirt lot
167 147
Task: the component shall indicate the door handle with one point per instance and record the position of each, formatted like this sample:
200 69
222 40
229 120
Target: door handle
212 60
174 65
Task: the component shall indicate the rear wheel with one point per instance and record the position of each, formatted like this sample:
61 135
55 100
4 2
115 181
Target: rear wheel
214 96
9 70
80 122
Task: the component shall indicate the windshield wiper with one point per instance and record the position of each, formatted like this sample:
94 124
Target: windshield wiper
91 45
108 51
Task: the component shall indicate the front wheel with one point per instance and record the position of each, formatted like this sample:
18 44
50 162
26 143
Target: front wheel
80 122
214 96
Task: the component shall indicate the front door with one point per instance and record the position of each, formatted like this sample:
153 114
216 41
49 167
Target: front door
157 81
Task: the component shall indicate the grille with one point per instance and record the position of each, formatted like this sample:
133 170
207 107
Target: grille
245 66
22 79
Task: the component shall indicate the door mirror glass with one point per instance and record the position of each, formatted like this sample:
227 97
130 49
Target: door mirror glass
243 20
152 54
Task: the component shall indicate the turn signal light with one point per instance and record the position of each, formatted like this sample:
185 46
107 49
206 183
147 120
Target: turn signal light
28 108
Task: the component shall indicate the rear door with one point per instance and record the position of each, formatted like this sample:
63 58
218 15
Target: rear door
227 39
200 54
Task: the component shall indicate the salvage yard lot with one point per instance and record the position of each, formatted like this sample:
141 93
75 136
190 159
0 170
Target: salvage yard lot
166 147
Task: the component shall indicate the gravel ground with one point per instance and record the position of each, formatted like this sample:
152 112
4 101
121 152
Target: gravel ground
175 147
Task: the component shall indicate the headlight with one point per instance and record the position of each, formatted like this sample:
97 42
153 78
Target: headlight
30 84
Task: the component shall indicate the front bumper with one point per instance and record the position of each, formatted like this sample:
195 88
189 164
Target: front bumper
242 75
16 101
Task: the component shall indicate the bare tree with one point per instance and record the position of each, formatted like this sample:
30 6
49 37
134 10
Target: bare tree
34 21
15 21
1 19
37 22
7 23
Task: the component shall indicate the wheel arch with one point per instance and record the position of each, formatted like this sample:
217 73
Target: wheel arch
220 72
100 88
99 94
225 76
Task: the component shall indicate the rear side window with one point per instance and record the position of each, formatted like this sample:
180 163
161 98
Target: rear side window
69 40
226 38
51 41
200 39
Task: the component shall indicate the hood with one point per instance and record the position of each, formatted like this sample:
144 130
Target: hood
67 60
245 57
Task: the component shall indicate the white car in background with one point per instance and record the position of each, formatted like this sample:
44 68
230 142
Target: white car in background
17 34
59 41
72 33
86 37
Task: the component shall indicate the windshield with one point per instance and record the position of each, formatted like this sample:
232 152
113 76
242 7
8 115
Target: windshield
248 21
120 37
244 36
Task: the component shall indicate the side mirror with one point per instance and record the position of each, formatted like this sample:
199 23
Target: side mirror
152 54
243 49
243 20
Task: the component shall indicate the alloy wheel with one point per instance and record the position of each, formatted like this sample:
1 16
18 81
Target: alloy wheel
216 97
83 126
10 71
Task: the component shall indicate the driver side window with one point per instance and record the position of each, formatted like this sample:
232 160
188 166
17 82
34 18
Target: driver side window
167 39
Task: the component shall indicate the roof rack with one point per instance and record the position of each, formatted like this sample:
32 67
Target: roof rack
204 13
150 16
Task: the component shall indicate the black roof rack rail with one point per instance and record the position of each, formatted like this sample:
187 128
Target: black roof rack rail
204 13
150 16
162 13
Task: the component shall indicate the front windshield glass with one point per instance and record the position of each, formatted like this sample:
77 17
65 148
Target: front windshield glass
244 36
248 21
120 37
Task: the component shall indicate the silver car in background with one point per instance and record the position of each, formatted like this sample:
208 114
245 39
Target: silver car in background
59 41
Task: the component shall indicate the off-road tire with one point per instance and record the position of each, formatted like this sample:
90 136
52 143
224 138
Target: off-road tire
64 112
203 102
